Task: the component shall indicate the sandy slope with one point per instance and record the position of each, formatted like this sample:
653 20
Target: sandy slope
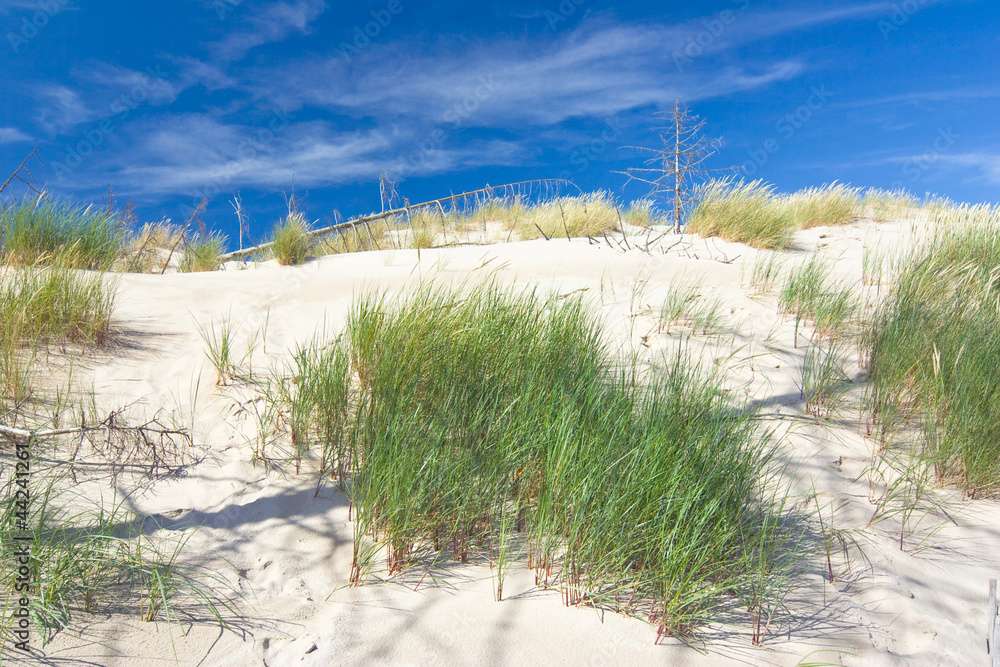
288 553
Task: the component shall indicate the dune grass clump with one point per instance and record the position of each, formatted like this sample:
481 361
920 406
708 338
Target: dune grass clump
36 231
41 306
640 213
496 424
824 380
834 204
55 304
202 253
934 348
292 243
586 215
742 211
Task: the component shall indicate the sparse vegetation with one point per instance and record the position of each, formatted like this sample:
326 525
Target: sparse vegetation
823 378
811 294
94 562
765 273
685 304
742 211
362 238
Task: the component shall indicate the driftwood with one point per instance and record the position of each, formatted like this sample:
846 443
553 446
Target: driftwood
406 210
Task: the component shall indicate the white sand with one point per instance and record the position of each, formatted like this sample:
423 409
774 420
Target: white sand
288 553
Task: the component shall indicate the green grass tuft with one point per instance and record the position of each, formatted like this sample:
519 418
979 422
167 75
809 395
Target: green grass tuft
496 424
202 253
934 348
37 231
292 243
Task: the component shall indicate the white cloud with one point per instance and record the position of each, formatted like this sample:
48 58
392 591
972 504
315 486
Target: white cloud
101 90
194 153
942 96
598 70
11 135
273 23
987 164
61 107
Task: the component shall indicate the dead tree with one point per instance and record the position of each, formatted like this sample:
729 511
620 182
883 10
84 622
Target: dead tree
244 224
672 170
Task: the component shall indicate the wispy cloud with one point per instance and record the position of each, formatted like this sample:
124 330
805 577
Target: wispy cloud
60 107
271 23
101 90
600 69
987 164
191 153
939 96
12 135
49 7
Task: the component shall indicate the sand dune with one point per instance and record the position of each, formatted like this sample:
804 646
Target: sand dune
286 552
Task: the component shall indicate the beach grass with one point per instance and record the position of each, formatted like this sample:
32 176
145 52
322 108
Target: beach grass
202 253
742 211
588 215
933 349
292 244
55 304
39 230
829 205
462 424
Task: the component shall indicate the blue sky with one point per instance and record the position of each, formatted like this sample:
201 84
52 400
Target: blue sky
166 101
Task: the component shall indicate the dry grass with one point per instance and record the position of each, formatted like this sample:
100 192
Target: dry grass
742 211
826 206
591 214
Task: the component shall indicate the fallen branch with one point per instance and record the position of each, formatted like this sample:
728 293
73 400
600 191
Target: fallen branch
404 210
